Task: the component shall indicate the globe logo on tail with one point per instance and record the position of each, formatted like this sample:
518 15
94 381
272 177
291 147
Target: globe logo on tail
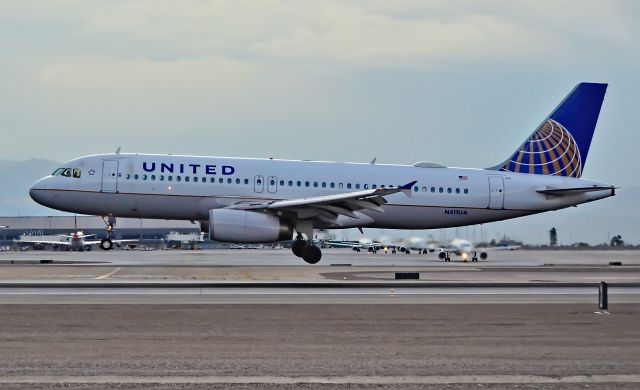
551 150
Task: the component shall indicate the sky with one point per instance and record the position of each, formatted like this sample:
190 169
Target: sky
461 83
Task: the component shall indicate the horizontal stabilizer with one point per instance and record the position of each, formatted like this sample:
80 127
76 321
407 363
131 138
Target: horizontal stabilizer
575 190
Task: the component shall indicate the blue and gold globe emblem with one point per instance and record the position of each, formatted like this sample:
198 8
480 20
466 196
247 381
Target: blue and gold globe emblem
551 150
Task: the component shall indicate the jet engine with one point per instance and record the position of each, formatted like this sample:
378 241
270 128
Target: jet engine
245 226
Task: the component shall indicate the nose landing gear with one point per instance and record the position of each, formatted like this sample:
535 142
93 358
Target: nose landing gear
106 244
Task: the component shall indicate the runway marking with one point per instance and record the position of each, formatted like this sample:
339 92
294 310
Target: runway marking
107 276
366 380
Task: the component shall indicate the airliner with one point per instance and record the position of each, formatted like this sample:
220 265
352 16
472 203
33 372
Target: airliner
246 200
76 241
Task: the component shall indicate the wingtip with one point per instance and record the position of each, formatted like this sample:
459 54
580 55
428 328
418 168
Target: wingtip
408 185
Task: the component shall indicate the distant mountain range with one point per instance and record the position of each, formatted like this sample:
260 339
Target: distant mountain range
15 180
592 223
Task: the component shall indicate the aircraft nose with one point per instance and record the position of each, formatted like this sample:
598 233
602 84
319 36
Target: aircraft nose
38 191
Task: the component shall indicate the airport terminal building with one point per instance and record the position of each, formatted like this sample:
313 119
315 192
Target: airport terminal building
124 229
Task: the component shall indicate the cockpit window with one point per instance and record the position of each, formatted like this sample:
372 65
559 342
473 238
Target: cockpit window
68 172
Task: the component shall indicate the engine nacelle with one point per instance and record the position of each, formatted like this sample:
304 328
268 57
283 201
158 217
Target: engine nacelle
246 226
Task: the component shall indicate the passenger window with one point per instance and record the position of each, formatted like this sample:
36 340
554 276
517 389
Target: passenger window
161 177
76 173
178 178
246 181
349 185
366 186
136 176
186 178
259 181
357 186
315 184
204 179
457 190
449 190
144 177
466 191
424 189
221 180
382 186
290 183
415 189
57 172
433 189
272 182
153 177
281 183
306 184
170 178
374 186
333 185
298 183
128 176
441 190
195 179
340 185
238 181
229 181
212 180
324 184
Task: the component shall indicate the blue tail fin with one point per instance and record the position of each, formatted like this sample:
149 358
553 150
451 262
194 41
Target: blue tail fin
560 145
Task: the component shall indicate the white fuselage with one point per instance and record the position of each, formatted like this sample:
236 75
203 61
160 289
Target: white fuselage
187 187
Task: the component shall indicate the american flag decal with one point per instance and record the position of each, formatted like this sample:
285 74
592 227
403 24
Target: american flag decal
463 177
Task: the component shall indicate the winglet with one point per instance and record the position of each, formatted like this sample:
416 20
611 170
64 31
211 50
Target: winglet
407 188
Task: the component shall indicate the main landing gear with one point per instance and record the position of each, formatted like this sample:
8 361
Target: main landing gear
305 249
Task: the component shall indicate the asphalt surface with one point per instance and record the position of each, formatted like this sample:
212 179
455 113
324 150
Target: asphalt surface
271 344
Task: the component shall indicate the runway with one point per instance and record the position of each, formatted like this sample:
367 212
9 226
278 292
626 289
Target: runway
319 346
251 319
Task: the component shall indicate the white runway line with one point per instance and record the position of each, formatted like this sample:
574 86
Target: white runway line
107 276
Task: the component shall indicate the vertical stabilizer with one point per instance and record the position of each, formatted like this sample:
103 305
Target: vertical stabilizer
560 145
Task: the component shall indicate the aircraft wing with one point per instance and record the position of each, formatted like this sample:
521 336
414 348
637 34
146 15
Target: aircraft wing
328 208
43 242
117 242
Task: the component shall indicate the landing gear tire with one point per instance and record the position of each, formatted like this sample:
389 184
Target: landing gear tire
106 244
298 247
311 254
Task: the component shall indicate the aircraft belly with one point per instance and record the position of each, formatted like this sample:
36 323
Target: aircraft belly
424 217
137 205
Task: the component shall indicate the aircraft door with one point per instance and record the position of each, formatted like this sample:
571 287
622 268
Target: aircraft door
258 183
272 184
496 192
109 176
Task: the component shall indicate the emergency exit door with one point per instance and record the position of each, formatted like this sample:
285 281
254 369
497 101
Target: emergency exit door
258 183
272 184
